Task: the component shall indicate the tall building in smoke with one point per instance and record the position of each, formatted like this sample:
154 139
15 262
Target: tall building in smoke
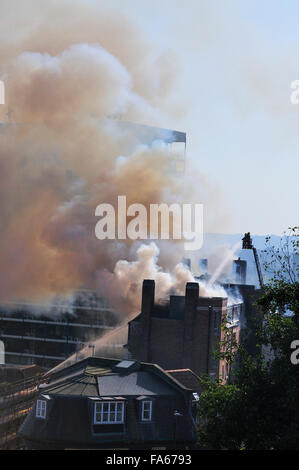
203 266
239 271
32 334
132 135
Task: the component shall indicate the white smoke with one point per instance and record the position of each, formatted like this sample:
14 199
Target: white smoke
128 276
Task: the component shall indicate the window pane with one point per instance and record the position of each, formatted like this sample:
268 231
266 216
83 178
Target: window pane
146 411
119 406
112 407
97 407
41 408
97 412
112 412
108 412
120 410
106 407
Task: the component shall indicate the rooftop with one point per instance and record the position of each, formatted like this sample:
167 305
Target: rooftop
186 377
101 377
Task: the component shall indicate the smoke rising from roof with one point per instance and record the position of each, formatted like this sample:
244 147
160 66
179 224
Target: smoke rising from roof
127 279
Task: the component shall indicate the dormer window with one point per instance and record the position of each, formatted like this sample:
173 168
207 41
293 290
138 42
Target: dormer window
109 412
146 410
41 409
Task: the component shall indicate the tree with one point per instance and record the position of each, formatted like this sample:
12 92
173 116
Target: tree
259 408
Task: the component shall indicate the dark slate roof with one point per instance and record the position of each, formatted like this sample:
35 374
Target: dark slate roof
187 378
89 365
99 377
135 383
83 386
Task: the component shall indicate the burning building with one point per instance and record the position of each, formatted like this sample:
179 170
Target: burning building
33 335
239 268
33 332
133 134
181 333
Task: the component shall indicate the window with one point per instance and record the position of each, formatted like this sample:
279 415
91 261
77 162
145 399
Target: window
146 412
109 412
41 408
226 371
217 322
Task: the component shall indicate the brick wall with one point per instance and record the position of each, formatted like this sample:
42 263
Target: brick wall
178 343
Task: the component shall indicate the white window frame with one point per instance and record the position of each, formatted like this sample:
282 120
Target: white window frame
100 415
143 410
41 409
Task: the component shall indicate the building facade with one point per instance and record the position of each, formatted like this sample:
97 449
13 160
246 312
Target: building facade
104 403
180 334
33 337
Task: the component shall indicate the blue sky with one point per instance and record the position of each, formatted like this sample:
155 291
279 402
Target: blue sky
236 61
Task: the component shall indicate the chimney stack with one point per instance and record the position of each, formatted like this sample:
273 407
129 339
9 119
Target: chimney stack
148 297
191 299
147 305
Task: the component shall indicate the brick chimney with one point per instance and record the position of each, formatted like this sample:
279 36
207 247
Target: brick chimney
147 305
191 298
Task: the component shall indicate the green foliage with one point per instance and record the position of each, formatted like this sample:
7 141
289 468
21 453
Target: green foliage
259 408
215 405
279 261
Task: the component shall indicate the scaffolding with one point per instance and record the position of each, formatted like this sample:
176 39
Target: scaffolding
16 400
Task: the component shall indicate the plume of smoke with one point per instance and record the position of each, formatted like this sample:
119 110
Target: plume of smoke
61 158
226 260
55 170
127 278
53 306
